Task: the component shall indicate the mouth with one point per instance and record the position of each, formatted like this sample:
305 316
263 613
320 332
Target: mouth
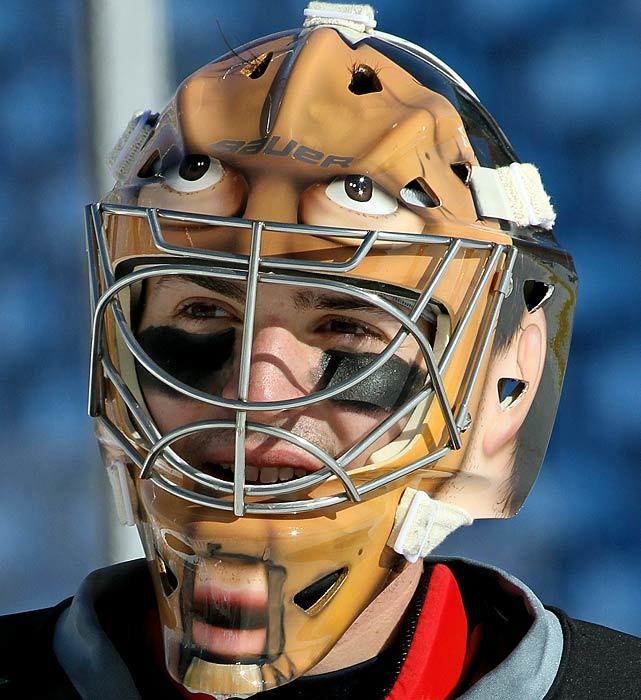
224 645
254 474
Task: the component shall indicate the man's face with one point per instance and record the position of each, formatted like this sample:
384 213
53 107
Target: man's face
253 591
304 340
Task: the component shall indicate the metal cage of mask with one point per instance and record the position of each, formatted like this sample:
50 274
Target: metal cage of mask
251 269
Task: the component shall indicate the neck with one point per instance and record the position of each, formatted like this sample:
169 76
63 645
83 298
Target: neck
375 627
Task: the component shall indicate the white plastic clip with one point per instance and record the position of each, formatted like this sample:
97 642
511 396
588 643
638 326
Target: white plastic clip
422 523
513 192
407 528
119 480
133 138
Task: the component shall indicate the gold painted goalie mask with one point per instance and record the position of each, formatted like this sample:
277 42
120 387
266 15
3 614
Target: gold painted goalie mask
331 323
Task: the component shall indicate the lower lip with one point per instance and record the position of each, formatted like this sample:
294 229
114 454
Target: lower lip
228 642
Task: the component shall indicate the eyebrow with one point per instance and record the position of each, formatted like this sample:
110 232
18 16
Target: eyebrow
307 300
304 300
225 288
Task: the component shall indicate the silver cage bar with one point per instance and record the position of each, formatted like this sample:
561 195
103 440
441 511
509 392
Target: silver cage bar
253 269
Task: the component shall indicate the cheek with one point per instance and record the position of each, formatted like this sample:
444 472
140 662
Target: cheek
350 426
316 209
171 413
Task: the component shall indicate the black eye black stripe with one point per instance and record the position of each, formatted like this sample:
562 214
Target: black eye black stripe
202 361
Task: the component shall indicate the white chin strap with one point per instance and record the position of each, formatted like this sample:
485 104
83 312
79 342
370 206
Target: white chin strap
422 523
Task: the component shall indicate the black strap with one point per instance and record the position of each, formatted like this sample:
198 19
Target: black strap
28 666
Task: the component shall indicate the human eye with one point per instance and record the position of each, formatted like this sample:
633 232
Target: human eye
352 330
202 311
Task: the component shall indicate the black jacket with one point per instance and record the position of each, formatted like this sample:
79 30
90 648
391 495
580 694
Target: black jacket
596 663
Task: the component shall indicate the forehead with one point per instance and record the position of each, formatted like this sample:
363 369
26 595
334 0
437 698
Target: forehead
300 120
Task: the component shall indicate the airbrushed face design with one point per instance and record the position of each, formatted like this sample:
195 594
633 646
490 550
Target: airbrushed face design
229 612
269 245
248 605
249 597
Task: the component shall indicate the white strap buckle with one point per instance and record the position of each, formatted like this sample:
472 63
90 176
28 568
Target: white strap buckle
422 523
401 545
514 193
119 480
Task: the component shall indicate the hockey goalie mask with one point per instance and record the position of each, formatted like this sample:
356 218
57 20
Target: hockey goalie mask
331 324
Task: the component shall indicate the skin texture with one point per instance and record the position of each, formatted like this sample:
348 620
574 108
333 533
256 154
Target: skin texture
293 353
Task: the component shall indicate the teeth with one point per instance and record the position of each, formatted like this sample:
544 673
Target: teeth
251 473
267 475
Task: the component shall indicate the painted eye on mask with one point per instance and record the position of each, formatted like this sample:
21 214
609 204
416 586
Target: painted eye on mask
194 173
359 193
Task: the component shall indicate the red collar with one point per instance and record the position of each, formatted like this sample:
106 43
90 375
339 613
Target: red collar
436 658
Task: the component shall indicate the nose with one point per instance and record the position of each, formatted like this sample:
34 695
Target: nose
272 199
281 367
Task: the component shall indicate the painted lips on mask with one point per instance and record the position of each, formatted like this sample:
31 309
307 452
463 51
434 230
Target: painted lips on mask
227 610
203 362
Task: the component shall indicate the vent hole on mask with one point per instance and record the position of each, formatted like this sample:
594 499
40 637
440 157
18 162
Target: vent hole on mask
178 545
510 391
168 579
151 167
535 293
257 66
364 80
315 597
463 171
419 194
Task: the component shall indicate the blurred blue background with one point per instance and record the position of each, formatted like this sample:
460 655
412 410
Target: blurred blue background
561 77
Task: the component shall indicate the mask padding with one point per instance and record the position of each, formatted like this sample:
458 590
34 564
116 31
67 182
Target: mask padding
510 390
313 598
364 80
535 293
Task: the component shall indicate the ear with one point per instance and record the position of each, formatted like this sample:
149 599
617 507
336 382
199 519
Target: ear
513 382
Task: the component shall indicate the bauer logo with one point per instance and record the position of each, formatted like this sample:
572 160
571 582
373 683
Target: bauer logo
277 146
